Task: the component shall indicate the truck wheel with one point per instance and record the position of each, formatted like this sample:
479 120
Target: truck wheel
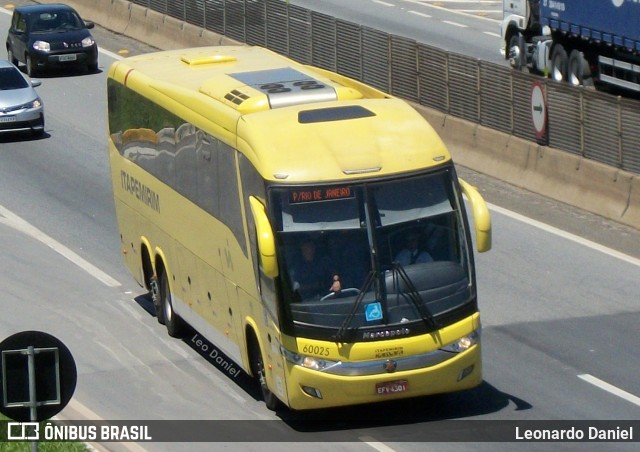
517 52
559 62
579 73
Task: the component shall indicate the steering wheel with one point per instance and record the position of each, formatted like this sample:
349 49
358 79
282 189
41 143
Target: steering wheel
349 291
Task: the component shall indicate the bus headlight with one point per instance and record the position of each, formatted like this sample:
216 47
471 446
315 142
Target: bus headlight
309 362
464 343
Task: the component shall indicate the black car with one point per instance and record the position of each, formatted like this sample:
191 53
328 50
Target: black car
49 35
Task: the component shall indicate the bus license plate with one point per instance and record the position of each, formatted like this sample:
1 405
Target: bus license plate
392 387
71 57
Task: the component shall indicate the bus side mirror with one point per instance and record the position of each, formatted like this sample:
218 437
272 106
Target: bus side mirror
266 240
481 216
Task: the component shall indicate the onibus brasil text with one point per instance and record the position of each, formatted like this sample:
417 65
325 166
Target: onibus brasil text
21 431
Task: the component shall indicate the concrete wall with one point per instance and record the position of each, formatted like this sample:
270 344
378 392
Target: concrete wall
566 177
586 184
146 25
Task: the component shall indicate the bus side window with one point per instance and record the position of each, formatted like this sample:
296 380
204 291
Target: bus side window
166 156
186 162
207 173
229 194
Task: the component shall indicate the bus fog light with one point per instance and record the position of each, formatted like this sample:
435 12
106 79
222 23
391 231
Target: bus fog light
465 372
313 392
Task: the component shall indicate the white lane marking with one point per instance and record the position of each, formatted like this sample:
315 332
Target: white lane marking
113 55
78 411
455 24
566 235
491 33
377 445
453 11
486 2
417 13
610 388
14 221
380 2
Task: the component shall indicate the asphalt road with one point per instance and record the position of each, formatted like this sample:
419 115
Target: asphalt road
558 295
464 27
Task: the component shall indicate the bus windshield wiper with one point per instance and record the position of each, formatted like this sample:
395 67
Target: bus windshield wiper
412 294
340 335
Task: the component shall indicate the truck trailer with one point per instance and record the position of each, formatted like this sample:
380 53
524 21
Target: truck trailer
582 42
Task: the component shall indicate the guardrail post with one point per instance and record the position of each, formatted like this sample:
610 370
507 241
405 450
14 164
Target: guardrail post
582 139
619 133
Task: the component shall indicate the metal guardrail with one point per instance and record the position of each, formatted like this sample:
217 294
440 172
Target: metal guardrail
592 124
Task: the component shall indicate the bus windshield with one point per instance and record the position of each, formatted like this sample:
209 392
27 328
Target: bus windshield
361 260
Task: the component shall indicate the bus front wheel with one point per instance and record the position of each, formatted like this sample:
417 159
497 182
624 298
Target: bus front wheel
259 373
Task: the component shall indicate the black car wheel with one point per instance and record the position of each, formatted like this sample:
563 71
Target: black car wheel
38 130
31 66
11 57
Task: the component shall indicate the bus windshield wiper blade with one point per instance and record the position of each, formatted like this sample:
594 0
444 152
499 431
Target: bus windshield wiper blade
413 295
339 336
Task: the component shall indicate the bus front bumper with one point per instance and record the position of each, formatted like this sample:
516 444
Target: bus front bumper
310 389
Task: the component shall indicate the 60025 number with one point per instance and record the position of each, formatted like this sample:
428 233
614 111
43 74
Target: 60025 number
315 350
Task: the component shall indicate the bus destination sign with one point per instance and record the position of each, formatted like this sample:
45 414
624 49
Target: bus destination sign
315 194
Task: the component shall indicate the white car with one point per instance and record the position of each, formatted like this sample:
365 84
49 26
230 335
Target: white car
21 109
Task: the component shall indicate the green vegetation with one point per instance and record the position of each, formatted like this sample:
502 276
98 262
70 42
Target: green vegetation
26 446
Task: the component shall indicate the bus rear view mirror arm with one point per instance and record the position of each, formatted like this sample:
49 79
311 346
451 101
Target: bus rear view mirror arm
481 216
266 240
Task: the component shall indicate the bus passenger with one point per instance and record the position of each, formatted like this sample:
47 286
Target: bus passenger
411 253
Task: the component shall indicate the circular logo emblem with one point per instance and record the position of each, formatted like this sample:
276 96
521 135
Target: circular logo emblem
38 376
390 366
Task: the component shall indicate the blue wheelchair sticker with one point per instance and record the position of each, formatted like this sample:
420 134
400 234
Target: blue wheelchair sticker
373 311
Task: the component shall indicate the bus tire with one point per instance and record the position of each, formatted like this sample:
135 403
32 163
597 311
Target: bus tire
173 322
156 298
259 374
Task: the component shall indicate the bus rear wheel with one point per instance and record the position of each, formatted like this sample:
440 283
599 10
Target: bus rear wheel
173 322
259 374
156 298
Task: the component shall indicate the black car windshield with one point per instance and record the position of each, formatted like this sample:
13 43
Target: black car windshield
368 255
56 21
10 78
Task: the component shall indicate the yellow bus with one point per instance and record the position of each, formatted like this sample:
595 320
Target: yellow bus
273 207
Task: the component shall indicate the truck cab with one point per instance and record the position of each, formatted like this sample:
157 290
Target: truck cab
525 43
